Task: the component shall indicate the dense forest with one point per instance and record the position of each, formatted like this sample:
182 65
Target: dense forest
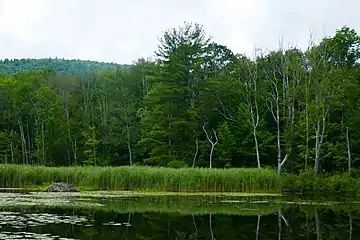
61 66
197 104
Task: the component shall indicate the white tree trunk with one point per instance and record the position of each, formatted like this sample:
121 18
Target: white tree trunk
317 223
210 226
213 143
23 143
258 227
12 151
276 115
320 126
350 226
128 135
251 98
196 152
348 150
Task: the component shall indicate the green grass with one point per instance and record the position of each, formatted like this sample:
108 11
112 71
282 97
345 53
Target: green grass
249 180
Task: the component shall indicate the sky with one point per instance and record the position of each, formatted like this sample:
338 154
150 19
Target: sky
123 31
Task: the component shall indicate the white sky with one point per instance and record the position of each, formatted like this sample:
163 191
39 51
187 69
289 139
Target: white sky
124 30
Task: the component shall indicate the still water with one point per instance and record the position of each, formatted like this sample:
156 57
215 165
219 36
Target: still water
122 216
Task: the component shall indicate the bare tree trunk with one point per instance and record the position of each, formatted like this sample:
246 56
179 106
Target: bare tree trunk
211 142
129 223
258 227
280 219
324 91
94 145
350 226
196 230
256 147
317 223
319 139
66 111
279 225
317 148
23 143
255 123
210 226
144 84
251 91
12 151
169 126
196 152
348 150
75 152
128 135
307 124
307 116
29 142
37 140
307 225
276 116
43 143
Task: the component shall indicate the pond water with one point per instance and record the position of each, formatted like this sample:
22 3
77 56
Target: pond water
101 215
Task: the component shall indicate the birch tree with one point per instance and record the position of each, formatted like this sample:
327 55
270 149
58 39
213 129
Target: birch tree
251 97
323 93
213 140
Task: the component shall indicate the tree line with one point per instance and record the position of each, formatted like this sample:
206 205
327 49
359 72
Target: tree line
197 104
61 66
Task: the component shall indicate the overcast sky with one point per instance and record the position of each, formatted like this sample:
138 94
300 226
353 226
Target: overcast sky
124 30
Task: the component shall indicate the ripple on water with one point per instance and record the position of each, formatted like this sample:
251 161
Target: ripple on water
30 235
17 220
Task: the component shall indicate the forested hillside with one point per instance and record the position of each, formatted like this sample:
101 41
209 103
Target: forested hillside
198 104
61 66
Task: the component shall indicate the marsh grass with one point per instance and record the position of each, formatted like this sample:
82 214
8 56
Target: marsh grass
250 180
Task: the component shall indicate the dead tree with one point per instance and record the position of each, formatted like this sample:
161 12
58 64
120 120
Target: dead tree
213 143
276 115
251 99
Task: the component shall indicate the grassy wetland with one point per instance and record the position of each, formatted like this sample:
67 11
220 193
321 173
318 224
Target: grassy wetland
185 181
247 180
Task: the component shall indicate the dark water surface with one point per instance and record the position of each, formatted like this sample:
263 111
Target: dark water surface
99 216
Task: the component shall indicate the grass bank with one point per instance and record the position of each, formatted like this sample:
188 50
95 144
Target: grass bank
250 180
180 181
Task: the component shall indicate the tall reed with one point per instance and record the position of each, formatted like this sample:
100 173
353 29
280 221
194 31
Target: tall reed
144 178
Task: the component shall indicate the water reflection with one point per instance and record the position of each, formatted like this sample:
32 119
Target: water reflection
294 221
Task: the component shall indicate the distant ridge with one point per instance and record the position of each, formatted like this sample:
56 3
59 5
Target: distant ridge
61 66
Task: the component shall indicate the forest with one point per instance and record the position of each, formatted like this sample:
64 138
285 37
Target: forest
60 66
197 104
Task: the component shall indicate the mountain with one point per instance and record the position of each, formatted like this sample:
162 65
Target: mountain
62 66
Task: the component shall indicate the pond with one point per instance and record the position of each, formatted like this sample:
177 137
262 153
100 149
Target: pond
125 215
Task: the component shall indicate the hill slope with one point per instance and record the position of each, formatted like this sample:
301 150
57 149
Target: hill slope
61 66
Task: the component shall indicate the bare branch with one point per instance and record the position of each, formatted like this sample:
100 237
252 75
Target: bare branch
211 142
283 161
207 136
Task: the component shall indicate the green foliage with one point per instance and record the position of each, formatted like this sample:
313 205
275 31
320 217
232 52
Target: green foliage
226 147
322 185
61 66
